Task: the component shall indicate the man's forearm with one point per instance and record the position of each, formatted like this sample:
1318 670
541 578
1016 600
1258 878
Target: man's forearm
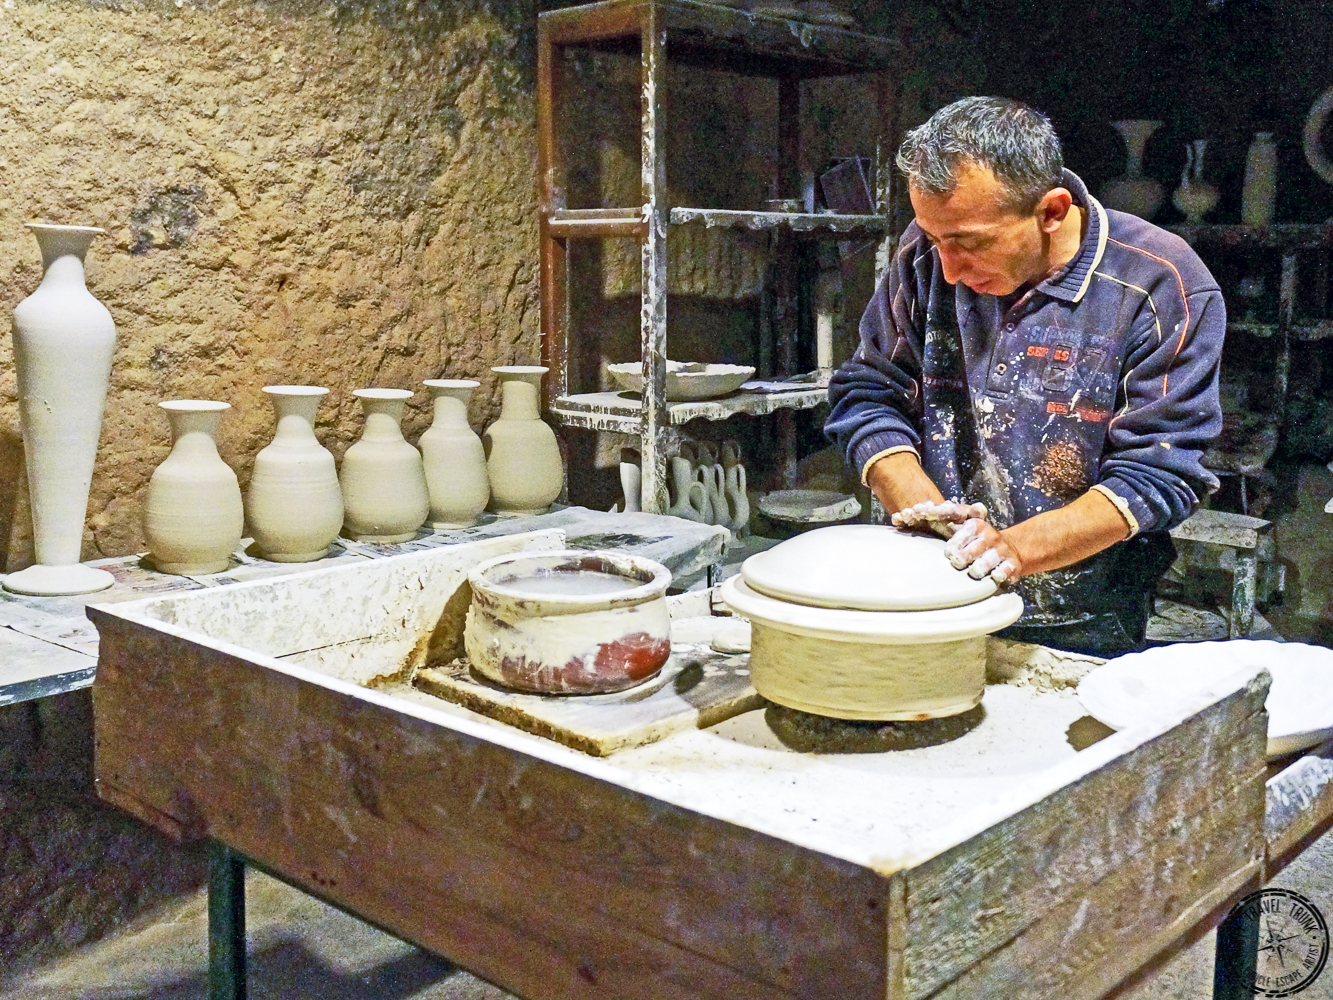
1068 535
899 482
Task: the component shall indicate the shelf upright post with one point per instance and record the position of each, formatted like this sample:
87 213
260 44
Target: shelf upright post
554 249
655 433
886 178
788 184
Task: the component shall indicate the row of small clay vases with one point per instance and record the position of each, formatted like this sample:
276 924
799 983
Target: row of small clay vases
297 504
714 490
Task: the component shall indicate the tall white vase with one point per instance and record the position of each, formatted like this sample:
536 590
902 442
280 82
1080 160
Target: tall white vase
522 454
1259 192
383 482
63 343
294 506
1134 193
455 460
193 515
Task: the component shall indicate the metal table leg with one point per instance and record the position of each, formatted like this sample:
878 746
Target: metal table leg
226 923
1237 950
1245 581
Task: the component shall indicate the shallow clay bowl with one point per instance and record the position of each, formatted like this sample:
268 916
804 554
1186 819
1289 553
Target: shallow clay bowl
686 380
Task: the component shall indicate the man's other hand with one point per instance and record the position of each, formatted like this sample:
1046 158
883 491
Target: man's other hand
981 550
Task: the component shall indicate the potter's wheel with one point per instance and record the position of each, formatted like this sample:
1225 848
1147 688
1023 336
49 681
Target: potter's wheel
867 622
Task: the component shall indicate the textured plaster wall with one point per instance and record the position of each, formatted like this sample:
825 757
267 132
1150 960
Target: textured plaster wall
332 193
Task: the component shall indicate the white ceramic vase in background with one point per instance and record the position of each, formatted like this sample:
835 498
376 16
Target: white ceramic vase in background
738 501
522 454
1195 197
1134 193
1258 195
455 460
631 485
294 505
63 342
383 481
193 515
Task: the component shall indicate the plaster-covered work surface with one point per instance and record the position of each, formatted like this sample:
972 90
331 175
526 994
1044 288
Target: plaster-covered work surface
333 192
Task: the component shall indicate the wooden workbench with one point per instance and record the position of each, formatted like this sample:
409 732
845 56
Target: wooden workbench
716 862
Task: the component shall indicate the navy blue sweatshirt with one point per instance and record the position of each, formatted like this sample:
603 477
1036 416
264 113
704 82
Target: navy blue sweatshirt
1103 376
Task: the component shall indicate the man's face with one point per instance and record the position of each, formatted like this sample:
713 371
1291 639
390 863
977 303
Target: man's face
982 242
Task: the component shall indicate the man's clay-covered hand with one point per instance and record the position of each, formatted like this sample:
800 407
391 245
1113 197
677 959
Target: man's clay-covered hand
942 517
981 550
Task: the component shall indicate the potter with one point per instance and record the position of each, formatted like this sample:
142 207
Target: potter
1037 378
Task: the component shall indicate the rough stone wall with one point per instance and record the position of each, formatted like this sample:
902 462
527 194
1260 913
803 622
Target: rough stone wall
334 193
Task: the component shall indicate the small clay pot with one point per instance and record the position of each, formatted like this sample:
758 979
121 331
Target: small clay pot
574 622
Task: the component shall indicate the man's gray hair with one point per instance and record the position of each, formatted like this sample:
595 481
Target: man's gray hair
1015 142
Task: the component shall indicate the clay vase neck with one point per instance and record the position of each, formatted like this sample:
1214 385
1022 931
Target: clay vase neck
193 515
454 458
738 501
294 506
631 485
522 455
383 479
63 344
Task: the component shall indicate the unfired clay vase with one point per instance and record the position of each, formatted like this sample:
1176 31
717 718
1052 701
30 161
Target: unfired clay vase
835 630
1134 193
738 501
575 622
454 459
631 485
63 343
383 481
193 515
522 454
1259 192
294 506
688 497
1195 197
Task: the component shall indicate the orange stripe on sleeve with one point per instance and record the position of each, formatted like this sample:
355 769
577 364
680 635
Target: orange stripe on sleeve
1184 299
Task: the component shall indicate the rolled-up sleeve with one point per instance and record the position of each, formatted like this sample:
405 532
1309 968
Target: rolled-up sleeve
1169 411
875 398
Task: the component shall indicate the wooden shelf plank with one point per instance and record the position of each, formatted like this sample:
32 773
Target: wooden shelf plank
724 37
620 411
1320 329
818 224
596 223
1284 236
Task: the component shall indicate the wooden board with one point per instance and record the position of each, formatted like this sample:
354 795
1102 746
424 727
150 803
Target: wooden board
696 688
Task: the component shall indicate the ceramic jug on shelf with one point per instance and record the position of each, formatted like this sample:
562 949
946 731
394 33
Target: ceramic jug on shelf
193 516
63 342
522 455
689 499
294 505
383 482
454 458
1260 188
1195 197
631 480
1134 193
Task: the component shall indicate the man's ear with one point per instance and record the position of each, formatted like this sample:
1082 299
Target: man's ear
1053 208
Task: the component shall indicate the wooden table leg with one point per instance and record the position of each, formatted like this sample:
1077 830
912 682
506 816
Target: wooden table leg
226 923
1237 950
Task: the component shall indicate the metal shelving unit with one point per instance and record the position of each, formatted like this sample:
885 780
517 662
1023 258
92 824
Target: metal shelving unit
718 37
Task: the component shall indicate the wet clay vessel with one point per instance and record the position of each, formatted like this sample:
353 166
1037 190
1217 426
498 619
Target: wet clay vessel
573 622
863 621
